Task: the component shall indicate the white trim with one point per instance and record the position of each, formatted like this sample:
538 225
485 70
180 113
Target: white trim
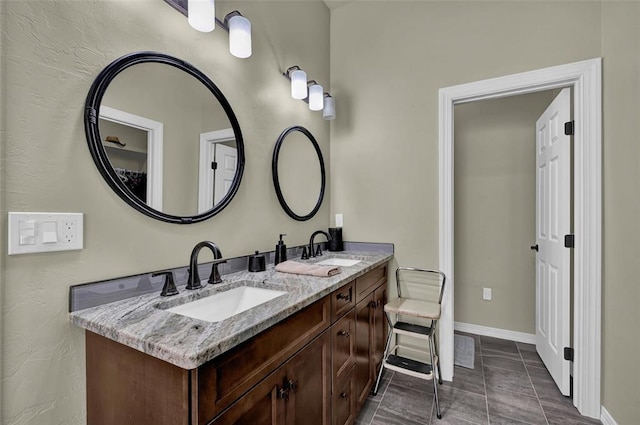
155 140
495 332
205 182
606 418
586 79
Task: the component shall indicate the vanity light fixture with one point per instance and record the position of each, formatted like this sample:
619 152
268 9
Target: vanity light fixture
201 14
310 92
298 82
329 110
316 97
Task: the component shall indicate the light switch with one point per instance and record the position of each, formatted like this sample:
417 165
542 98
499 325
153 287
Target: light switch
27 231
49 232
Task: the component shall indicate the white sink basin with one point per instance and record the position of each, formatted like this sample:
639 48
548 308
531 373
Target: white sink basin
338 262
225 304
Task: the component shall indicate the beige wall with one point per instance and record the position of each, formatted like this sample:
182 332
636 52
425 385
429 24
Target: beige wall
495 184
51 52
388 60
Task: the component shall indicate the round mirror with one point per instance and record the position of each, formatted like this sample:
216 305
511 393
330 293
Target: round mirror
164 137
298 173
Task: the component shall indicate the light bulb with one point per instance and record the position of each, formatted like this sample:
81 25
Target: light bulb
202 14
298 84
239 36
316 98
329 110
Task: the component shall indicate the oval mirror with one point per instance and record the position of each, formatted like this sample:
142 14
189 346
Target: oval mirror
298 173
164 137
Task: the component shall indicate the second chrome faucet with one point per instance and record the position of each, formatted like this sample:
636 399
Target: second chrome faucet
193 280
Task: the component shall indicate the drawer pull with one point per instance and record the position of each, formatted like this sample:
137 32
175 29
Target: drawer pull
344 395
344 333
283 393
342 296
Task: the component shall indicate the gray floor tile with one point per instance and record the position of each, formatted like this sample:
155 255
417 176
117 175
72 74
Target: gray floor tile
410 403
503 360
368 411
508 408
384 383
566 415
490 343
508 380
522 346
471 380
452 420
384 417
531 358
412 383
459 404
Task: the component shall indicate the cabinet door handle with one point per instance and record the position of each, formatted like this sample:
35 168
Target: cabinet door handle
344 395
373 304
342 296
293 385
283 393
344 333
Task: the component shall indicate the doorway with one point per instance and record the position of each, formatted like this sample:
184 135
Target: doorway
585 79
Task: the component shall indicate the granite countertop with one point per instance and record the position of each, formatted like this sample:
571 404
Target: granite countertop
144 324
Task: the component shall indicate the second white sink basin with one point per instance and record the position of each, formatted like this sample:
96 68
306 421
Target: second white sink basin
223 305
338 262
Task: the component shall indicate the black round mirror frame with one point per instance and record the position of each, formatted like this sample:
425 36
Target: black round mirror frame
276 181
99 154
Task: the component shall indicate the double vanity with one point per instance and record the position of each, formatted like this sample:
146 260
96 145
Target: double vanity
258 348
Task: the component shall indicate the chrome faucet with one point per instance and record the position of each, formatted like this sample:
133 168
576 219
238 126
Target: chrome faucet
313 235
193 281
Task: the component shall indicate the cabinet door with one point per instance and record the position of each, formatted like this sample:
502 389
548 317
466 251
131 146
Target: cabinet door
264 405
343 336
380 328
364 348
344 400
308 375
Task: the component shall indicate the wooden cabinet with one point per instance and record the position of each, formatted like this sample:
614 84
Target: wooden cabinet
370 331
316 367
297 392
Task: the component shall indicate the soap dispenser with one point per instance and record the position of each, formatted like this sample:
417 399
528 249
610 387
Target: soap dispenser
281 251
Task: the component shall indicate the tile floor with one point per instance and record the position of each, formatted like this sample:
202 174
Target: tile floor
509 386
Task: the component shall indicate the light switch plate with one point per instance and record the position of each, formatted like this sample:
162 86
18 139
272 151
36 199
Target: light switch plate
486 294
51 232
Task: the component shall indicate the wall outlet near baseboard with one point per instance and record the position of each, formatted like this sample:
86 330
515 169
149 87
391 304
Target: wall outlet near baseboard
486 294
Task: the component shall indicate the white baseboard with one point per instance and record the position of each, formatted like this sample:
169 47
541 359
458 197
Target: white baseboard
495 332
606 418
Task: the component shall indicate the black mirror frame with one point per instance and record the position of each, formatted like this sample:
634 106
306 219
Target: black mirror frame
99 154
276 180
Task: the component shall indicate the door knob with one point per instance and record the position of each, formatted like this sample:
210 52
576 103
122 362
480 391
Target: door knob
534 247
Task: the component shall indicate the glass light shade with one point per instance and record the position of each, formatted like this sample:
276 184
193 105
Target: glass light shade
239 36
329 110
202 14
316 97
298 84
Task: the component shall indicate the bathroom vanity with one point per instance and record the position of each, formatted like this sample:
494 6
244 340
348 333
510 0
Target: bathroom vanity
309 356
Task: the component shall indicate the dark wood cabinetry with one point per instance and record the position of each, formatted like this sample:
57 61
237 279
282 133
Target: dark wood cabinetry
314 368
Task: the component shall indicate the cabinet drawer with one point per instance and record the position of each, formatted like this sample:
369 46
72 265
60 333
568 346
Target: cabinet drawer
342 300
224 379
366 283
343 336
344 400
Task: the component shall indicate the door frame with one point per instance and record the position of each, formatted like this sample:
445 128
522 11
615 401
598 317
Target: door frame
205 184
586 79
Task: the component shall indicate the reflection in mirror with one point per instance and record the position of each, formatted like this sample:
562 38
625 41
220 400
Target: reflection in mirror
298 173
164 137
186 113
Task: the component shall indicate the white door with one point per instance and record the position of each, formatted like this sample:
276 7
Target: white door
227 160
553 222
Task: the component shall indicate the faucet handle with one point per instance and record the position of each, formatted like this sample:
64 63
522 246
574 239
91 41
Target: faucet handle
318 251
169 287
215 274
304 256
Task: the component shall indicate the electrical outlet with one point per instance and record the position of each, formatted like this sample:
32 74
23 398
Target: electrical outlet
486 294
44 232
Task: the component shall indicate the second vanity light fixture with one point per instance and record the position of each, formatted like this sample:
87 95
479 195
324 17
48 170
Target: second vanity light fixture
201 15
311 92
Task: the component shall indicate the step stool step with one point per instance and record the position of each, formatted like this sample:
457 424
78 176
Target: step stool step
412 328
411 365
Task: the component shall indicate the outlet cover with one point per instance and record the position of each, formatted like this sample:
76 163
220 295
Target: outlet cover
33 232
486 294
